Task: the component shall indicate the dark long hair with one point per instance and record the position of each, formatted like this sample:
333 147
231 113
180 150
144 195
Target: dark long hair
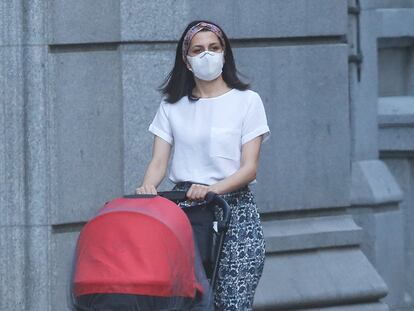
180 81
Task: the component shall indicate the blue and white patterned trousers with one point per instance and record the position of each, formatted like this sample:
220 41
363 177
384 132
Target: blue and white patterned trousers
243 253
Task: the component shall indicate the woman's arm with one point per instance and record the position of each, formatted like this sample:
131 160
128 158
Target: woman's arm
243 176
157 167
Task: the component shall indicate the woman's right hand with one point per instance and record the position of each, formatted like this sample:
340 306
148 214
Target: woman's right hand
146 189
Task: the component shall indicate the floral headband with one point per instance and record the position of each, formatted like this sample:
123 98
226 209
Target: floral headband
195 29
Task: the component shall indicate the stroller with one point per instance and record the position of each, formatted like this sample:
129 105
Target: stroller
145 252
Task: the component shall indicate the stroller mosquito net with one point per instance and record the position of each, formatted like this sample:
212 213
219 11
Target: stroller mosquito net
138 254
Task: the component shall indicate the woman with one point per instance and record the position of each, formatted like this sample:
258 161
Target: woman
216 125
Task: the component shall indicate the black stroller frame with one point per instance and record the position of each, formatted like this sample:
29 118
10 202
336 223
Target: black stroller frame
202 217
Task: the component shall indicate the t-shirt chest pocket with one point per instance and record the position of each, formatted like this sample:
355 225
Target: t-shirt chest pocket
225 143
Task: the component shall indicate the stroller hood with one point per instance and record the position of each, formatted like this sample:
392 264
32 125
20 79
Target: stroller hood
139 246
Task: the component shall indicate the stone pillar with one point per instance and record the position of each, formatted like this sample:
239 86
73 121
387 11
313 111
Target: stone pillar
12 173
24 158
391 42
376 194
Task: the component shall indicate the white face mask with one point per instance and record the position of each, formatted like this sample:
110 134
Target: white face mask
207 65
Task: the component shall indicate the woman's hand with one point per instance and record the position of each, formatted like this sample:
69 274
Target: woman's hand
198 192
146 189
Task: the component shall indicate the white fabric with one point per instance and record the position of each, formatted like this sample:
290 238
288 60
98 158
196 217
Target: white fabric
207 134
207 65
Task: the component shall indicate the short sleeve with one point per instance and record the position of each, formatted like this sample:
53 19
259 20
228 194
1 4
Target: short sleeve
160 125
255 121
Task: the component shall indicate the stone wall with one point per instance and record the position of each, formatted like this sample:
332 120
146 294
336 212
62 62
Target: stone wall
79 89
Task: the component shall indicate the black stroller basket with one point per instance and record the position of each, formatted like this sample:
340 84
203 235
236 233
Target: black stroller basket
210 220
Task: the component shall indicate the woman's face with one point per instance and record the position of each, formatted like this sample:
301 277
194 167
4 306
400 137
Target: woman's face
204 41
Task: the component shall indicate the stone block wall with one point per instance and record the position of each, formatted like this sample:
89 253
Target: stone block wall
79 89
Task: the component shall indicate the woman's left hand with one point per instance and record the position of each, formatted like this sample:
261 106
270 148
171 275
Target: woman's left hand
198 192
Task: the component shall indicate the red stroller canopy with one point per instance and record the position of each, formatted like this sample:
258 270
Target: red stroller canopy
139 246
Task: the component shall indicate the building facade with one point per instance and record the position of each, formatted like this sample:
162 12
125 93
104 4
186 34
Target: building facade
336 183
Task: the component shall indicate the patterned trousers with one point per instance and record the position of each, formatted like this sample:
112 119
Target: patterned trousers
243 253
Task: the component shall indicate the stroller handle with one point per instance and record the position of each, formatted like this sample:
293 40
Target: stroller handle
211 198
180 196
215 199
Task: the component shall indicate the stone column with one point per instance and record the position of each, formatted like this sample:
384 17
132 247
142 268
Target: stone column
24 158
376 195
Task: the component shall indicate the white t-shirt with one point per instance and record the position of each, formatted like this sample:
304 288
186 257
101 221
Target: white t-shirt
207 134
